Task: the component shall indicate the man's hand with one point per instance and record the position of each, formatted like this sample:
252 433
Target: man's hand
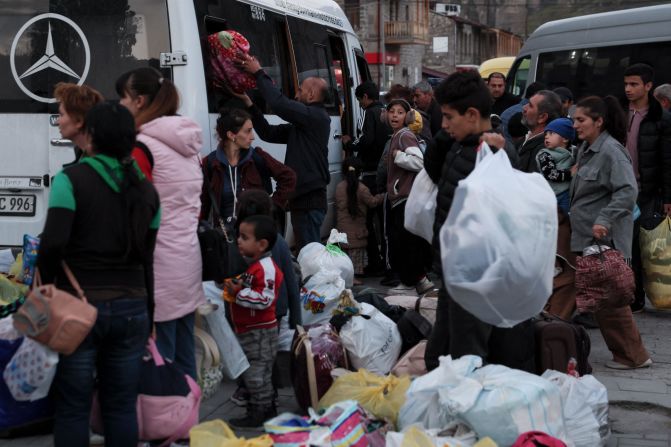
244 98
247 63
345 139
599 231
574 170
493 139
667 209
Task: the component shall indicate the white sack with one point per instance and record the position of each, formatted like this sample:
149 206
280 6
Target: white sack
29 373
315 257
420 208
585 401
320 295
373 344
499 241
233 359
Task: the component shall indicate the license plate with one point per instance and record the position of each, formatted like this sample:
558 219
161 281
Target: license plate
17 205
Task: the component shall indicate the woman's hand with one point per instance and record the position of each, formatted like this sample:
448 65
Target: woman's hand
599 231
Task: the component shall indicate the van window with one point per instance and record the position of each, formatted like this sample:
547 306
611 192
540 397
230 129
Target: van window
599 71
266 33
362 66
518 75
120 36
314 57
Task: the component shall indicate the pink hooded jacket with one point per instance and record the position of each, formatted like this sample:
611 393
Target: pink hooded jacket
175 142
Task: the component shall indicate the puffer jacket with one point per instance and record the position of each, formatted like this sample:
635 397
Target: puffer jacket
175 142
654 153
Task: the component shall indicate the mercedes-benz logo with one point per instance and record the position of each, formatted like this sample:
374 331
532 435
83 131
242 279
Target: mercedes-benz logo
49 59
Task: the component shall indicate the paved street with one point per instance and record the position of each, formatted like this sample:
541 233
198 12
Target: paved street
640 409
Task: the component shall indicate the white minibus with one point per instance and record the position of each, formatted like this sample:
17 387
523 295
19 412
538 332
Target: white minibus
43 42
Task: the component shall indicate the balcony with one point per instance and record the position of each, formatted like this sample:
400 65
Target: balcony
399 33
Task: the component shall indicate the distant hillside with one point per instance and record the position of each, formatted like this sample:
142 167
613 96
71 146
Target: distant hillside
548 10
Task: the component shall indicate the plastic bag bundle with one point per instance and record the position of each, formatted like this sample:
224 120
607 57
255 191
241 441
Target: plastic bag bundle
420 208
224 46
382 396
31 246
218 434
585 402
459 436
320 296
499 241
315 257
372 340
656 258
29 373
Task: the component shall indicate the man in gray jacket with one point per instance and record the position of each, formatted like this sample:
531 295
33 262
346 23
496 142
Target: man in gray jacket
542 108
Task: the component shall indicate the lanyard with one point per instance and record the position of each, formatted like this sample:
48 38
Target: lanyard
233 175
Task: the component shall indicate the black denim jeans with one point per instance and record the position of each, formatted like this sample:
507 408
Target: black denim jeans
114 348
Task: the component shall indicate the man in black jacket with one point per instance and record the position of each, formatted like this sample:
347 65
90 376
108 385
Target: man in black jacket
649 144
422 94
373 136
542 108
306 136
502 99
466 104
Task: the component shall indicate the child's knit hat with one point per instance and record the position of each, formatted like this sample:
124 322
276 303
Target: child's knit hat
563 127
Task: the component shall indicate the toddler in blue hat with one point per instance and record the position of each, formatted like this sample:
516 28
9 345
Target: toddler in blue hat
556 159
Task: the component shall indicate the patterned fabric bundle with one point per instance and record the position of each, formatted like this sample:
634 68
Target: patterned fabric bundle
224 46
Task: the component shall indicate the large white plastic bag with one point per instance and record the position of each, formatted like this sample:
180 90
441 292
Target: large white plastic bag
319 296
424 406
585 401
513 402
29 373
499 241
233 359
420 208
373 344
315 257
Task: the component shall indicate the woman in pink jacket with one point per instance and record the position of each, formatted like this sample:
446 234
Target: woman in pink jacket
174 142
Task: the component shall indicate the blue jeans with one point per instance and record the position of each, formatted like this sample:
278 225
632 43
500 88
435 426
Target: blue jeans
563 200
307 226
114 348
175 341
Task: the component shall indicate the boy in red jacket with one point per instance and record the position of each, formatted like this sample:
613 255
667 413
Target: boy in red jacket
252 299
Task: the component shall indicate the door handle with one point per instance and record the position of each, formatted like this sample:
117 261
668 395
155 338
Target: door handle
337 136
61 142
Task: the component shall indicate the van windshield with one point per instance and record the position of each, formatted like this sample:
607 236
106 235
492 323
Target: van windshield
599 71
45 42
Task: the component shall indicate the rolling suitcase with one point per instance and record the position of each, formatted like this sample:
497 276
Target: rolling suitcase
315 352
557 341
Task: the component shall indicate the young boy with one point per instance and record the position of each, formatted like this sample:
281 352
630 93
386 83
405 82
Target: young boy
252 299
466 105
556 159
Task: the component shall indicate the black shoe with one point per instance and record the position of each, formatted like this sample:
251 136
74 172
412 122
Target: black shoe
637 306
586 320
390 281
254 419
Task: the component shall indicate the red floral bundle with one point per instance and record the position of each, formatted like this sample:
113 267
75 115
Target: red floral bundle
224 46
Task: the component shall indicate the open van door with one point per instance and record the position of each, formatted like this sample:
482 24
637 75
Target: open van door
44 43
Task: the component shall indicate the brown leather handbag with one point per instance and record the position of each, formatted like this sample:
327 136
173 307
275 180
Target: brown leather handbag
54 317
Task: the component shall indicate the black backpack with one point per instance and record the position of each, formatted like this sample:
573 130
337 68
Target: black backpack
414 327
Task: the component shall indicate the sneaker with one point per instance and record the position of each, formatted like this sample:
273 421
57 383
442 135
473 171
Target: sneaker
96 439
612 364
402 289
240 397
637 306
586 320
423 286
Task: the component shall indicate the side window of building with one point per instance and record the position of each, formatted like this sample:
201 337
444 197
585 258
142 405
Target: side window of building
267 36
314 57
92 44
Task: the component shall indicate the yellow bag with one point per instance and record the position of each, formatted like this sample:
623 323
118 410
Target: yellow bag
382 396
656 259
218 434
415 437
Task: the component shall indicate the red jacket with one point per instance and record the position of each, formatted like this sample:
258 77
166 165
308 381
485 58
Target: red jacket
254 306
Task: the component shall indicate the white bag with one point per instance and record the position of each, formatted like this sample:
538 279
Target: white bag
286 335
420 208
315 257
499 241
29 373
373 344
585 401
423 406
233 359
319 296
